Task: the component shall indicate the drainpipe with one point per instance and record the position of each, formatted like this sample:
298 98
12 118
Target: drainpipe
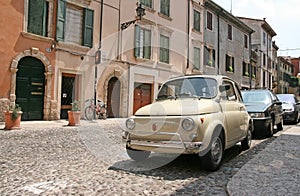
218 47
188 39
250 56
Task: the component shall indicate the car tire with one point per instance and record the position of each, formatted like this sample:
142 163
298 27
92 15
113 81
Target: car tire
246 143
212 160
137 155
295 121
280 125
270 129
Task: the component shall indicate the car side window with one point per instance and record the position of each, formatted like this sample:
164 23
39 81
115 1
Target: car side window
229 94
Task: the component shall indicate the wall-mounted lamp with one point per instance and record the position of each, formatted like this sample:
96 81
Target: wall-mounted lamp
140 12
53 45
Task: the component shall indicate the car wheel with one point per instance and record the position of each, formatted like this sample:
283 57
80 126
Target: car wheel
295 121
246 143
212 160
137 155
280 125
270 129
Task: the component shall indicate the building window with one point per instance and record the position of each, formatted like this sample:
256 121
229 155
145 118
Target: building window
147 3
142 47
164 49
229 63
209 57
197 21
245 41
209 19
264 38
165 7
75 24
229 36
246 69
38 17
196 64
253 72
264 59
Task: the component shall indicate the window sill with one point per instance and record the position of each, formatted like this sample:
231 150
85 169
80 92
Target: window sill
149 9
37 37
143 60
72 47
196 71
165 16
164 66
196 31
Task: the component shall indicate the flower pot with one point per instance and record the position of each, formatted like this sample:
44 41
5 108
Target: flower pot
11 123
74 118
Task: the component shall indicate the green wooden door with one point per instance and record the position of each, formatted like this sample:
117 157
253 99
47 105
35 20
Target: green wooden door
30 88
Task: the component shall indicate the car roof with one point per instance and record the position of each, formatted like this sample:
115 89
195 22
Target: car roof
216 77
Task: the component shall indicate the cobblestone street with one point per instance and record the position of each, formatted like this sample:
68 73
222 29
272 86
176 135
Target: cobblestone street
91 160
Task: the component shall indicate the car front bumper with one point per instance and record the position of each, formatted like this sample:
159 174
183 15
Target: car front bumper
169 146
289 116
261 124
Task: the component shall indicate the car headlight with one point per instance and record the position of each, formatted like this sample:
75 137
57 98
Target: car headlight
188 124
130 123
257 115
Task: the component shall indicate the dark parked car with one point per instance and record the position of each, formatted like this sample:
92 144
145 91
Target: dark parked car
290 106
265 109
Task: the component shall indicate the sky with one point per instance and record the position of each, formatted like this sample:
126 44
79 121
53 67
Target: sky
282 15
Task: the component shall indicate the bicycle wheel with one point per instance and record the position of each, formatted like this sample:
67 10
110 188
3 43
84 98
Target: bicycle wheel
89 113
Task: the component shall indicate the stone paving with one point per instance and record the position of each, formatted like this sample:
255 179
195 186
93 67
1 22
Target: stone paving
54 159
274 171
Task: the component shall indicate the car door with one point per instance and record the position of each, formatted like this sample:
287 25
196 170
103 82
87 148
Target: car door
276 108
234 111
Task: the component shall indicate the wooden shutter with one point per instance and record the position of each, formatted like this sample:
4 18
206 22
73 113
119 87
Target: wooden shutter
61 17
165 7
36 17
88 27
137 32
147 44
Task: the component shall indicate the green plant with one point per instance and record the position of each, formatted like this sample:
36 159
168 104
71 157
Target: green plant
15 109
75 105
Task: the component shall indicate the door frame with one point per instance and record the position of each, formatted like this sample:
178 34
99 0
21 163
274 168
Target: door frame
33 52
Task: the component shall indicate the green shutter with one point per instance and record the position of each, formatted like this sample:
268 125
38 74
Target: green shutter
165 7
147 44
137 41
36 17
88 27
61 16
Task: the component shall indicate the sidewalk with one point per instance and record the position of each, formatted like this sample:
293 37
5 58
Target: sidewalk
64 123
274 171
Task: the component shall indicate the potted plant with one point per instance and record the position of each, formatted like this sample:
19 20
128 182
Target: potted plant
74 114
13 117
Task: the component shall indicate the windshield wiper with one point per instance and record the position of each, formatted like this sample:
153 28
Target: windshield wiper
162 97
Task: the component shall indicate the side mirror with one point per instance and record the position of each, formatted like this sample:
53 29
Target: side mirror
224 87
278 103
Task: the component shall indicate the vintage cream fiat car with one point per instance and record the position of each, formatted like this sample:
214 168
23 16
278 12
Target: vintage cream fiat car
196 114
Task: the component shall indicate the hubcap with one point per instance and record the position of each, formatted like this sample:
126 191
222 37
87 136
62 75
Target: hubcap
216 150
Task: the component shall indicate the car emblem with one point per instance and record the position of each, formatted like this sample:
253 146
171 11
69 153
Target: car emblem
154 127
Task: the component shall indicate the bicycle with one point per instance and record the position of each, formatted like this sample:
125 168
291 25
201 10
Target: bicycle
95 112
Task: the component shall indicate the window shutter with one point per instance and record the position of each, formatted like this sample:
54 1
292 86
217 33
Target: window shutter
36 17
88 27
137 41
147 44
61 16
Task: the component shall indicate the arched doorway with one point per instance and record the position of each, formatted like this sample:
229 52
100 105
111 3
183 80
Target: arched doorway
30 88
113 98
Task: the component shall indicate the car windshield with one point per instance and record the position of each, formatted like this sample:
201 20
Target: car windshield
256 97
196 87
286 98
